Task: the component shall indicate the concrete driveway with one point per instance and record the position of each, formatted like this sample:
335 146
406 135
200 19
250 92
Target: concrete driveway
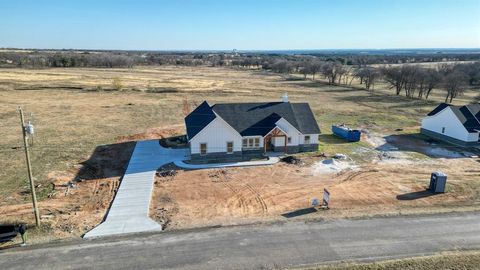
129 210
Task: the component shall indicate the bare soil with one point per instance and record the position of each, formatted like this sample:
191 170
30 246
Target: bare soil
81 195
283 191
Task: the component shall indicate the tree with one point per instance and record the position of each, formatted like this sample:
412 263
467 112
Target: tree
454 84
395 76
282 66
368 75
331 71
341 71
314 68
432 80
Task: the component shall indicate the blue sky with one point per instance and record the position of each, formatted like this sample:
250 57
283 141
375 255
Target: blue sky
244 25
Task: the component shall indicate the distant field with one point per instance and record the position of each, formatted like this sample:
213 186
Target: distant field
75 111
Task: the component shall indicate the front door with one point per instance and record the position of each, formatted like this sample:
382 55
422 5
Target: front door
268 144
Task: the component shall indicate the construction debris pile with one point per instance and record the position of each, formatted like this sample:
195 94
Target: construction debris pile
292 160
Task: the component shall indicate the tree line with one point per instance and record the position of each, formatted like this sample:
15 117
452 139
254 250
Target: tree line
410 79
252 60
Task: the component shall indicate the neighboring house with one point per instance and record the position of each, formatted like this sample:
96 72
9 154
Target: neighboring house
244 131
458 125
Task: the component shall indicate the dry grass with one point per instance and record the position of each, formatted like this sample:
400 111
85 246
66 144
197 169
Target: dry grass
466 260
76 110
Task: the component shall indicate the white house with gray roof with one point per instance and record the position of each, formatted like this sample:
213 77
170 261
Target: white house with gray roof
458 125
244 131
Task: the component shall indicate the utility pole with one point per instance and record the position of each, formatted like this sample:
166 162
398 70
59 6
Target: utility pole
29 169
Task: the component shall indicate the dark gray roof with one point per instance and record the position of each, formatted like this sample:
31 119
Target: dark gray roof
438 109
475 109
255 118
251 119
468 115
199 119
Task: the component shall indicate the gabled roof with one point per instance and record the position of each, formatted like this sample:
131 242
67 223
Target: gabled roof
249 118
262 127
474 109
253 119
438 109
199 119
468 115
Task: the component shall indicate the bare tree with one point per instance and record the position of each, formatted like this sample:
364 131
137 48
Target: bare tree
341 72
433 79
314 68
396 77
368 75
455 84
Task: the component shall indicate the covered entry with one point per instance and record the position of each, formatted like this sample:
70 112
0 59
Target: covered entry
274 139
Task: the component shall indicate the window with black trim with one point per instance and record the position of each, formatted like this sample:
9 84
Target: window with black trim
230 147
203 149
251 143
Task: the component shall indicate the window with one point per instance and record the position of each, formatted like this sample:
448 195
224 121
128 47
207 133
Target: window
443 129
251 143
230 147
307 139
289 140
203 149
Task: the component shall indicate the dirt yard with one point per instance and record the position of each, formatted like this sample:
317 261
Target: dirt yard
283 191
85 128
80 196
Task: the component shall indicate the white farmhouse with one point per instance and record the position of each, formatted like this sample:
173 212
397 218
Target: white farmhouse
244 131
458 125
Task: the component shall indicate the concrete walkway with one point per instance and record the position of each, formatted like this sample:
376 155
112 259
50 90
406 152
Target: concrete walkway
129 210
269 161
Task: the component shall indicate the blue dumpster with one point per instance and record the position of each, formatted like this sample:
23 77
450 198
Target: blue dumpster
342 131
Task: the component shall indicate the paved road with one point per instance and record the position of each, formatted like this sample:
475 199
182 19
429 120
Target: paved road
130 207
260 246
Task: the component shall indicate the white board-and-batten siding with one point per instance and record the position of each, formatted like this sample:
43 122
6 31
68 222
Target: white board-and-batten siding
216 135
296 136
447 120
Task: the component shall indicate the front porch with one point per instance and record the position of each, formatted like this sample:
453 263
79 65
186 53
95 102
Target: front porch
275 141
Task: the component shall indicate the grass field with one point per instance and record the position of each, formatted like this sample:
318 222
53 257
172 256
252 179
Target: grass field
83 118
467 260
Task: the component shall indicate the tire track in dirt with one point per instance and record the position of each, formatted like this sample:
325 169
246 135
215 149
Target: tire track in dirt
297 191
358 174
237 195
258 198
361 198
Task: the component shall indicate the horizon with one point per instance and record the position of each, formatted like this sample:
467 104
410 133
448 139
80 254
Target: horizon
244 50
243 25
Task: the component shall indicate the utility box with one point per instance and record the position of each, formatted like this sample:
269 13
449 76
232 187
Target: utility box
438 181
